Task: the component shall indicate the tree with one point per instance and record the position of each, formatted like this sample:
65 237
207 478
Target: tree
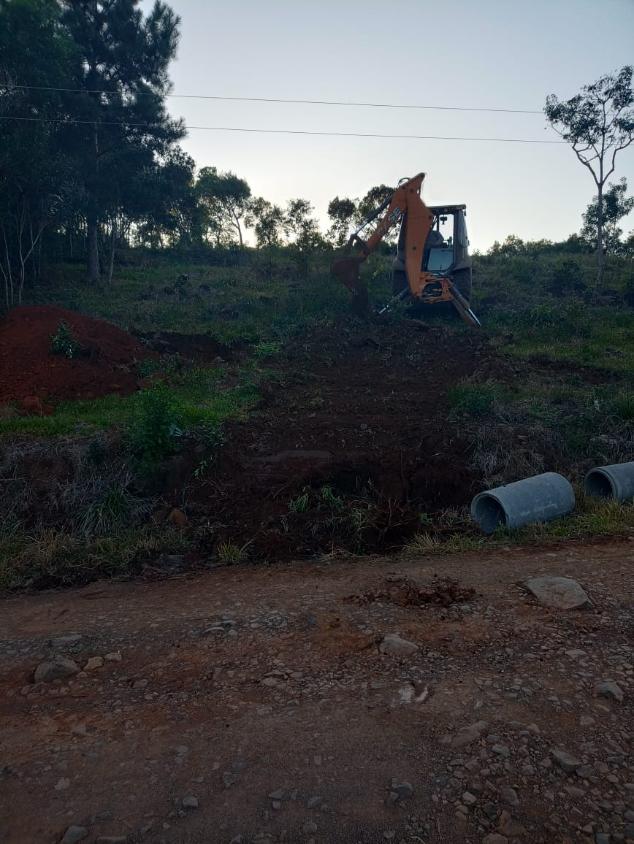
303 232
36 174
373 199
225 199
341 213
121 66
616 205
598 123
267 220
512 245
167 210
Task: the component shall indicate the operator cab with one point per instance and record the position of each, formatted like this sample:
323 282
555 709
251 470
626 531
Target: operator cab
447 241
446 250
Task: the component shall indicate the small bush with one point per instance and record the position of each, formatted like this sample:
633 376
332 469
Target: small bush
300 504
231 554
117 508
63 342
567 278
622 406
155 429
330 498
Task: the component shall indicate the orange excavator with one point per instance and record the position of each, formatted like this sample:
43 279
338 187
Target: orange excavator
432 263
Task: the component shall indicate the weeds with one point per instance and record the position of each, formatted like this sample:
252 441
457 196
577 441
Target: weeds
115 509
622 406
474 399
51 558
63 342
330 498
230 554
456 543
300 504
266 349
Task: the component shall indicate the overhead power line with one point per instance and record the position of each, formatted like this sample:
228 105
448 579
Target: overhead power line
287 131
285 100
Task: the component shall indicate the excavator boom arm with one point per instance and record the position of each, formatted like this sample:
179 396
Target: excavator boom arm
404 204
405 200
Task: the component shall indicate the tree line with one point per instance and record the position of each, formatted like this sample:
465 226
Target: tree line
90 158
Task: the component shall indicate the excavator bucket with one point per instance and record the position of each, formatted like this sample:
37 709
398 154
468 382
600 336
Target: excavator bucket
348 273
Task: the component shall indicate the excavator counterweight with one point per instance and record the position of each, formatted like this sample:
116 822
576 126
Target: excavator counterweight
432 263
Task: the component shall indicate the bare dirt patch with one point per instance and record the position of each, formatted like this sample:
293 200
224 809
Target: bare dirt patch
104 364
351 445
405 592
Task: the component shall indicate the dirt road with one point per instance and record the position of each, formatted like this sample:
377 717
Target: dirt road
254 704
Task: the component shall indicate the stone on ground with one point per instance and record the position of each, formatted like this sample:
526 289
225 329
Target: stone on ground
74 834
561 593
565 760
55 669
394 645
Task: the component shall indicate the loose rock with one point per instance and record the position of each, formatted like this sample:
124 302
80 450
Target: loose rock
74 834
401 790
562 593
610 689
394 645
469 734
565 760
55 669
509 795
115 656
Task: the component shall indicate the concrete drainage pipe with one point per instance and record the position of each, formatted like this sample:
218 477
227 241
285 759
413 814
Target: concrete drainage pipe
537 499
615 481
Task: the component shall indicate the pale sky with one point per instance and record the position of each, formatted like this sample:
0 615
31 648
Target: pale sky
478 53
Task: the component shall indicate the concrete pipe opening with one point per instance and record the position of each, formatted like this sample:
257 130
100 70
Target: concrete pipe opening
531 500
488 512
615 481
599 484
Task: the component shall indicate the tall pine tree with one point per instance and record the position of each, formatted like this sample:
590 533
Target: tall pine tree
121 66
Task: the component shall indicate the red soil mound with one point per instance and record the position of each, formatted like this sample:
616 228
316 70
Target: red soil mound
28 367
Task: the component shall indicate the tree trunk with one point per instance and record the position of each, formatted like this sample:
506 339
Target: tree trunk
600 254
236 220
93 249
113 239
92 217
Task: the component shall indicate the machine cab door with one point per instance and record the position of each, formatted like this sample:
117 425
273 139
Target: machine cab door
439 252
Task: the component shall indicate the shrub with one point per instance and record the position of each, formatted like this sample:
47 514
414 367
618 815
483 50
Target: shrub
300 504
567 277
115 509
230 554
330 498
63 342
155 429
622 406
